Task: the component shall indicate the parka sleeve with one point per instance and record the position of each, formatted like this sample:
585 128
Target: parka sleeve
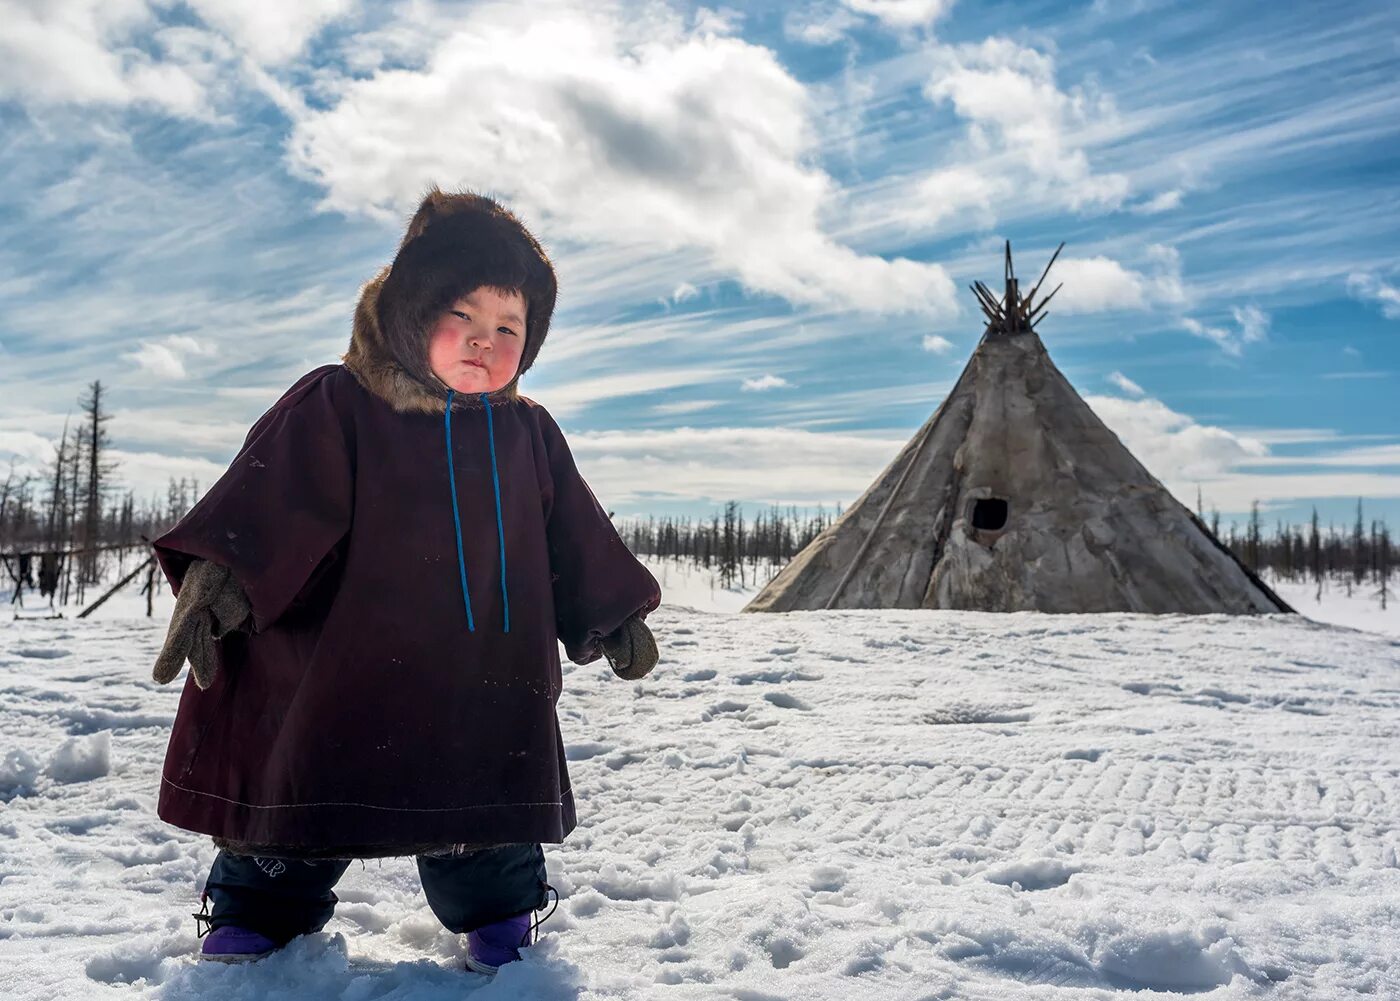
597 583
280 508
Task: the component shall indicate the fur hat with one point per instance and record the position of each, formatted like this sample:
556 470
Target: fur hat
455 243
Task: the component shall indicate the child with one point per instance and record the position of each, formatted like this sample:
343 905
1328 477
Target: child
371 597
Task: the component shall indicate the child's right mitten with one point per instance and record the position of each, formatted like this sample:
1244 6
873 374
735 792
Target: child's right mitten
631 650
210 604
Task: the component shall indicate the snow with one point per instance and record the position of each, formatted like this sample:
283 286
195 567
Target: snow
1361 609
852 805
82 759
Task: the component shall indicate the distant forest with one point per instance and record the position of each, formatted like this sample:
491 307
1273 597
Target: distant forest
68 530
1357 556
72 528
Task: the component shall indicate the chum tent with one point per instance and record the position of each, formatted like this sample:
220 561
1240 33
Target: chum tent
1014 496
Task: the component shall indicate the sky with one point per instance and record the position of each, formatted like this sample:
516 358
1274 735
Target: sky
764 218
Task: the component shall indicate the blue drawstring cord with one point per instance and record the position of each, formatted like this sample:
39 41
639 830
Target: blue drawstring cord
496 485
456 516
456 513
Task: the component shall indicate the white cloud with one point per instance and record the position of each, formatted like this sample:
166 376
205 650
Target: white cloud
1021 140
1174 447
816 26
958 193
684 407
84 52
1363 457
684 292
1164 202
604 128
134 52
1253 323
1236 493
1219 335
937 345
30 450
764 382
718 21
1095 284
166 357
1370 288
179 430
1125 384
1252 326
1377 374
902 13
272 31
1163 280
713 464
146 474
569 398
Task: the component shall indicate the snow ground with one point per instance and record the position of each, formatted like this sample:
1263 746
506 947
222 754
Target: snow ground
1359 610
854 805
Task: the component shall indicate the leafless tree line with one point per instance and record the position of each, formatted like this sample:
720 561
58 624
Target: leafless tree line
1357 557
67 529
726 543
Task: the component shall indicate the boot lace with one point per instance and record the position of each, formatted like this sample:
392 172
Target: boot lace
532 933
202 915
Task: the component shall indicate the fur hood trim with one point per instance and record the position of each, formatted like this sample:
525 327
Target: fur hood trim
454 244
374 367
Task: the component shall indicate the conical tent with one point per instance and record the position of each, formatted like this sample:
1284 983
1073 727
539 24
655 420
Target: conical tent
1014 496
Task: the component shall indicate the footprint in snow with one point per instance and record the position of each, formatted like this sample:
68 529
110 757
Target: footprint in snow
1032 874
585 749
785 701
954 715
774 677
783 950
827 878
723 708
1149 687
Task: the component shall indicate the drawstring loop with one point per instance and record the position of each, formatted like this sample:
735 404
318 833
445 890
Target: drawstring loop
496 485
457 515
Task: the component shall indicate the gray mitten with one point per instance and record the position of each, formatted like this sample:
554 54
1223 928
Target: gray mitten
631 650
210 605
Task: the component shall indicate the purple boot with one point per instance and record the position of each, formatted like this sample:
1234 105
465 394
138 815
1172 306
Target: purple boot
231 944
491 947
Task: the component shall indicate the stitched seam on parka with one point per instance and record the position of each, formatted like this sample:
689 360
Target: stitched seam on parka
367 806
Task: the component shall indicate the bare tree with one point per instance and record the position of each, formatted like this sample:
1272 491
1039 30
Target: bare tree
1315 554
1383 564
1252 539
1358 544
97 471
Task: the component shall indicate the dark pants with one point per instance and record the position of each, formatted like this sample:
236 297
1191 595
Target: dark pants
284 898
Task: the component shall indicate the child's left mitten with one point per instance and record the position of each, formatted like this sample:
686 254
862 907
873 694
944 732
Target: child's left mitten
210 604
631 650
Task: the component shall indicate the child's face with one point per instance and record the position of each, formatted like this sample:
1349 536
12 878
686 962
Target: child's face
483 327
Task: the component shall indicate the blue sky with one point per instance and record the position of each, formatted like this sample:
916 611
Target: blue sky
764 219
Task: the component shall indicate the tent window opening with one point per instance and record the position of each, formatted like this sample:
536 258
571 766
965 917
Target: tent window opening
989 514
